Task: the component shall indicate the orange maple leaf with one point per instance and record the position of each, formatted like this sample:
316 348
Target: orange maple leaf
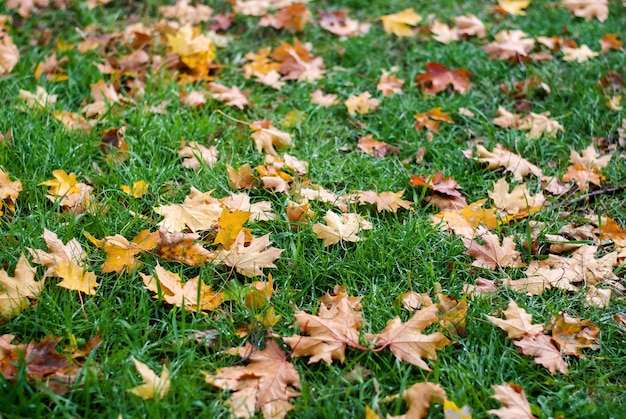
182 247
121 253
438 77
491 254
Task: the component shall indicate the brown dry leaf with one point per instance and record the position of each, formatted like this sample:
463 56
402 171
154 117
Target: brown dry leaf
406 340
361 104
340 24
543 350
438 77
580 55
385 201
437 183
195 154
232 96
121 254
398 23
242 178
293 18
506 119
430 119
326 335
9 54
419 398
588 8
65 261
187 14
193 295
483 286
259 211
470 25
104 96
266 136
514 400
389 84
572 335
539 124
344 227
297 63
413 301
319 98
452 315
267 382
514 163
16 291
444 33
181 247
38 100
509 44
518 322
610 41
74 196
154 386
248 258
195 212
376 148
491 254
586 167
516 204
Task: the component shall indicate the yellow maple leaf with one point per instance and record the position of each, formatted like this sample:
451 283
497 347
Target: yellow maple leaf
15 292
514 7
62 184
138 189
121 253
154 385
398 23
195 50
230 224
75 277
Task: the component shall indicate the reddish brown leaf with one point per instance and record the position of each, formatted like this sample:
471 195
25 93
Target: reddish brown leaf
438 77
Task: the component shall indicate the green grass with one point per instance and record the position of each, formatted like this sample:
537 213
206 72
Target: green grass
403 251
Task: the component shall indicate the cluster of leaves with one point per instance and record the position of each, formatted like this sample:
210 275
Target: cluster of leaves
207 230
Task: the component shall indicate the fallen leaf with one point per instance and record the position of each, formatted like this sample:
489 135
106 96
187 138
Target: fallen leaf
232 96
514 400
266 136
249 258
407 342
581 54
154 385
572 335
65 261
319 98
182 247
121 254
267 382
438 77
470 25
193 295
229 225
452 411
9 54
340 24
514 7
588 8
344 227
444 33
196 154
389 84
501 157
509 45
139 189
361 104
398 23
9 191
385 201
419 398
192 213
16 291
543 350
518 322
516 204
326 335
491 254
376 148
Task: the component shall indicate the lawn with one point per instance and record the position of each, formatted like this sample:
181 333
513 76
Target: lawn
173 194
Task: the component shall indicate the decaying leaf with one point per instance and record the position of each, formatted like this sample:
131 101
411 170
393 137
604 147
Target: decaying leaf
438 77
407 342
491 254
516 405
267 382
326 335
183 248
